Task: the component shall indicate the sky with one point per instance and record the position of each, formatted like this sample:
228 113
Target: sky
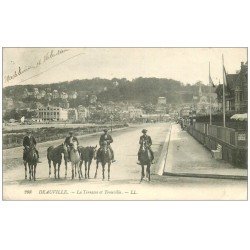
47 65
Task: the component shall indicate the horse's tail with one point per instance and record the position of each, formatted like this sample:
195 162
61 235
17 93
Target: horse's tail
49 152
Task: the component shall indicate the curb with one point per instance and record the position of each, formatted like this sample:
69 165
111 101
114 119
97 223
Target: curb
212 176
164 153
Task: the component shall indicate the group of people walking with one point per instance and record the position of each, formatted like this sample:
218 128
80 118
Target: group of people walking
30 141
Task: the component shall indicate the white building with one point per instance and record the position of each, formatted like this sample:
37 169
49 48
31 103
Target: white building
83 113
73 95
134 112
50 113
55 94
64 96
162 100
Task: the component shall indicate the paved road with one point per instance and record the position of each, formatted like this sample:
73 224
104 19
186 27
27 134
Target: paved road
125 175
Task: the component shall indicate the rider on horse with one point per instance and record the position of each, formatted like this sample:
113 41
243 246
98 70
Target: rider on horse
148 142
28 142
107 138
69 142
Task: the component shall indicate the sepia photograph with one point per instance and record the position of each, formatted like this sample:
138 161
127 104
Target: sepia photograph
123 123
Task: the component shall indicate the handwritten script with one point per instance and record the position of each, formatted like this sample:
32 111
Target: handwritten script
21 70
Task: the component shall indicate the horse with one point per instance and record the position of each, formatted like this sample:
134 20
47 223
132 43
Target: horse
75 159
87 154
145 160
55 155
31 160
103 156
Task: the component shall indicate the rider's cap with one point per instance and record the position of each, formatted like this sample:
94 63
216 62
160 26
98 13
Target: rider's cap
71 132
144 130
29 132
105 130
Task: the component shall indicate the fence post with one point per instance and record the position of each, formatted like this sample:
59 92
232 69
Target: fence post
236 138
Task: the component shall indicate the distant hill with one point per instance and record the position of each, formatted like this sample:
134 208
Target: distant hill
140 90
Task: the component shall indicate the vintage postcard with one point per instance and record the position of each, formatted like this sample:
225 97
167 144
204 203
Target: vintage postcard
124 123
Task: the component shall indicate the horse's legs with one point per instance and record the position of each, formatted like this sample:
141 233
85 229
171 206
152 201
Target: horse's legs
75 171
89 163
58 170
25 166
29 171
103 171
49 161
109 170
148 171
80 168
79 171
97 165
72 169
34 172
66 167
54 164
142 172
85 164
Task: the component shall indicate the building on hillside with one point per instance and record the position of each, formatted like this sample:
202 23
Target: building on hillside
72 115
43 93
73 95
93 99
201 103
25 93
64 95
50 113
162 101
161 106
48 96
237 90
83 113
134 113
36 92
55 94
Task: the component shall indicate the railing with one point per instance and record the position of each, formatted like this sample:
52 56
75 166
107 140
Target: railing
227 135
201 127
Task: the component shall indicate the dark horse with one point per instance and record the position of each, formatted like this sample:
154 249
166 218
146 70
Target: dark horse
145 160
103 156
54 154
31 160
87 155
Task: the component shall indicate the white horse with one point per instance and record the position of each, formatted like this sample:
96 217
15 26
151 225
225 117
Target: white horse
75 160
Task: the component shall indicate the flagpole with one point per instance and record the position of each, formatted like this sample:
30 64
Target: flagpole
224 102
210 95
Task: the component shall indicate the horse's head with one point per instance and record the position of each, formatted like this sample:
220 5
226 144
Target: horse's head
65 149
75 145
94 151
105 146
143 146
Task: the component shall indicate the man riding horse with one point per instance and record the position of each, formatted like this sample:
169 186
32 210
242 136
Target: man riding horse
69 142
29 141
145 139
108 139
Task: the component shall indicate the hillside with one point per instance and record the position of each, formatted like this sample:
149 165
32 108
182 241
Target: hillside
143 90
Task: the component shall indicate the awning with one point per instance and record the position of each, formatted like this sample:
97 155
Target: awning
239 117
